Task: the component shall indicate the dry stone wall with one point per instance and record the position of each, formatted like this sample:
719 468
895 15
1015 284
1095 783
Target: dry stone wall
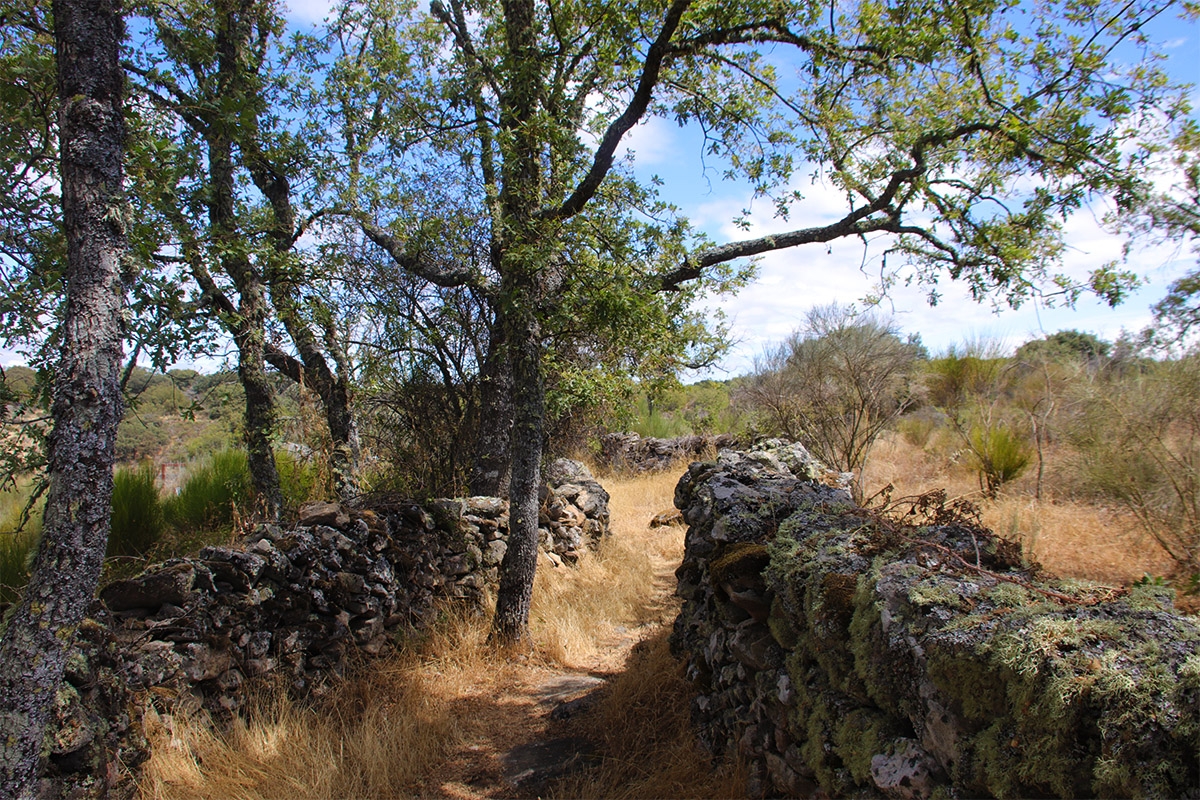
633 453
285 604
845 653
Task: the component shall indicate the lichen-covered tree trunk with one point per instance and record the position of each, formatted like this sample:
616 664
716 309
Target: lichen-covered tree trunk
524 241
515 593
87 400
249 328
493 445
260 408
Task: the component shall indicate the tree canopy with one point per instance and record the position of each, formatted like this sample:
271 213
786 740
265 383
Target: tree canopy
476 149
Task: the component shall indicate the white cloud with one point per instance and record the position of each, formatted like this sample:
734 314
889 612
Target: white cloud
308 12
652 142
846 271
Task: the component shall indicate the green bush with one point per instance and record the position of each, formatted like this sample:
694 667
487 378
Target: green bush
1001 455
210 494
137 512
653 424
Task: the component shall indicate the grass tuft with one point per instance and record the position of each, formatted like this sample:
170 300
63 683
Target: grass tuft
212 494
137 511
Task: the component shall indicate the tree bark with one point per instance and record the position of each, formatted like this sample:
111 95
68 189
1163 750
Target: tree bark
515 593
260 410
493 444
87 399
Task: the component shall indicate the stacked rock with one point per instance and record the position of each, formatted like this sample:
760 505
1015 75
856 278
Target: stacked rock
842 652
288 604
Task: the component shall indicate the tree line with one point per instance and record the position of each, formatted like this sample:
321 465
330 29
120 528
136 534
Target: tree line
446 188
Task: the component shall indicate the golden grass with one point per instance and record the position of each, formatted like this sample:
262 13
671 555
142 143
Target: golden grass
1068 538
577 612
376 736
392 731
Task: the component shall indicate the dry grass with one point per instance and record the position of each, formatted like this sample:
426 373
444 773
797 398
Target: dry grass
1069 538
376 736
645 736
443 710
578 612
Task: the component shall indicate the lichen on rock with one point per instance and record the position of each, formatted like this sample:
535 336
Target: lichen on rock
920 656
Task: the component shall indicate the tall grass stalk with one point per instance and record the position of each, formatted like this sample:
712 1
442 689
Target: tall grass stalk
211 494
137 511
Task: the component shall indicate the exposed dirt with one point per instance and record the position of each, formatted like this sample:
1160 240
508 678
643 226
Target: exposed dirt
513 741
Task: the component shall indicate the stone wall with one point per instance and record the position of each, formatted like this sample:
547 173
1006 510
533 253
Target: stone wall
853 653
286 604
629 452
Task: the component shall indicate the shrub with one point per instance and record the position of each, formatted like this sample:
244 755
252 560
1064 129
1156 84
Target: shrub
137 512
654 424
1138 443
835 385
1001 455
210 494
17 546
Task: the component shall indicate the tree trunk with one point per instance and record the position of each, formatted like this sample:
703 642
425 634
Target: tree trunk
493 444
87 399
524 248
511 623
260 406
249 327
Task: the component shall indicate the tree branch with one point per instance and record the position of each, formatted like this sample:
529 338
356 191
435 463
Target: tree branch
410 260
603 161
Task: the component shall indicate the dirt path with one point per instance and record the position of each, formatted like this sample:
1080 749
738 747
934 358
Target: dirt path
521 729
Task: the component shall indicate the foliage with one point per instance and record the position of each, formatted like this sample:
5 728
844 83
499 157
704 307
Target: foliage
1064 344
212 494
137 511
836 385
302 480
654 423
975 390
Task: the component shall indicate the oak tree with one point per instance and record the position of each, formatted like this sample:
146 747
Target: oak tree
87 399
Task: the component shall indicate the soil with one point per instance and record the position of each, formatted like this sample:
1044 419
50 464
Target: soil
522 730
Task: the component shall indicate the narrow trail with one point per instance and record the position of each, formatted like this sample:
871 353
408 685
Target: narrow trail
517 730
453 718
